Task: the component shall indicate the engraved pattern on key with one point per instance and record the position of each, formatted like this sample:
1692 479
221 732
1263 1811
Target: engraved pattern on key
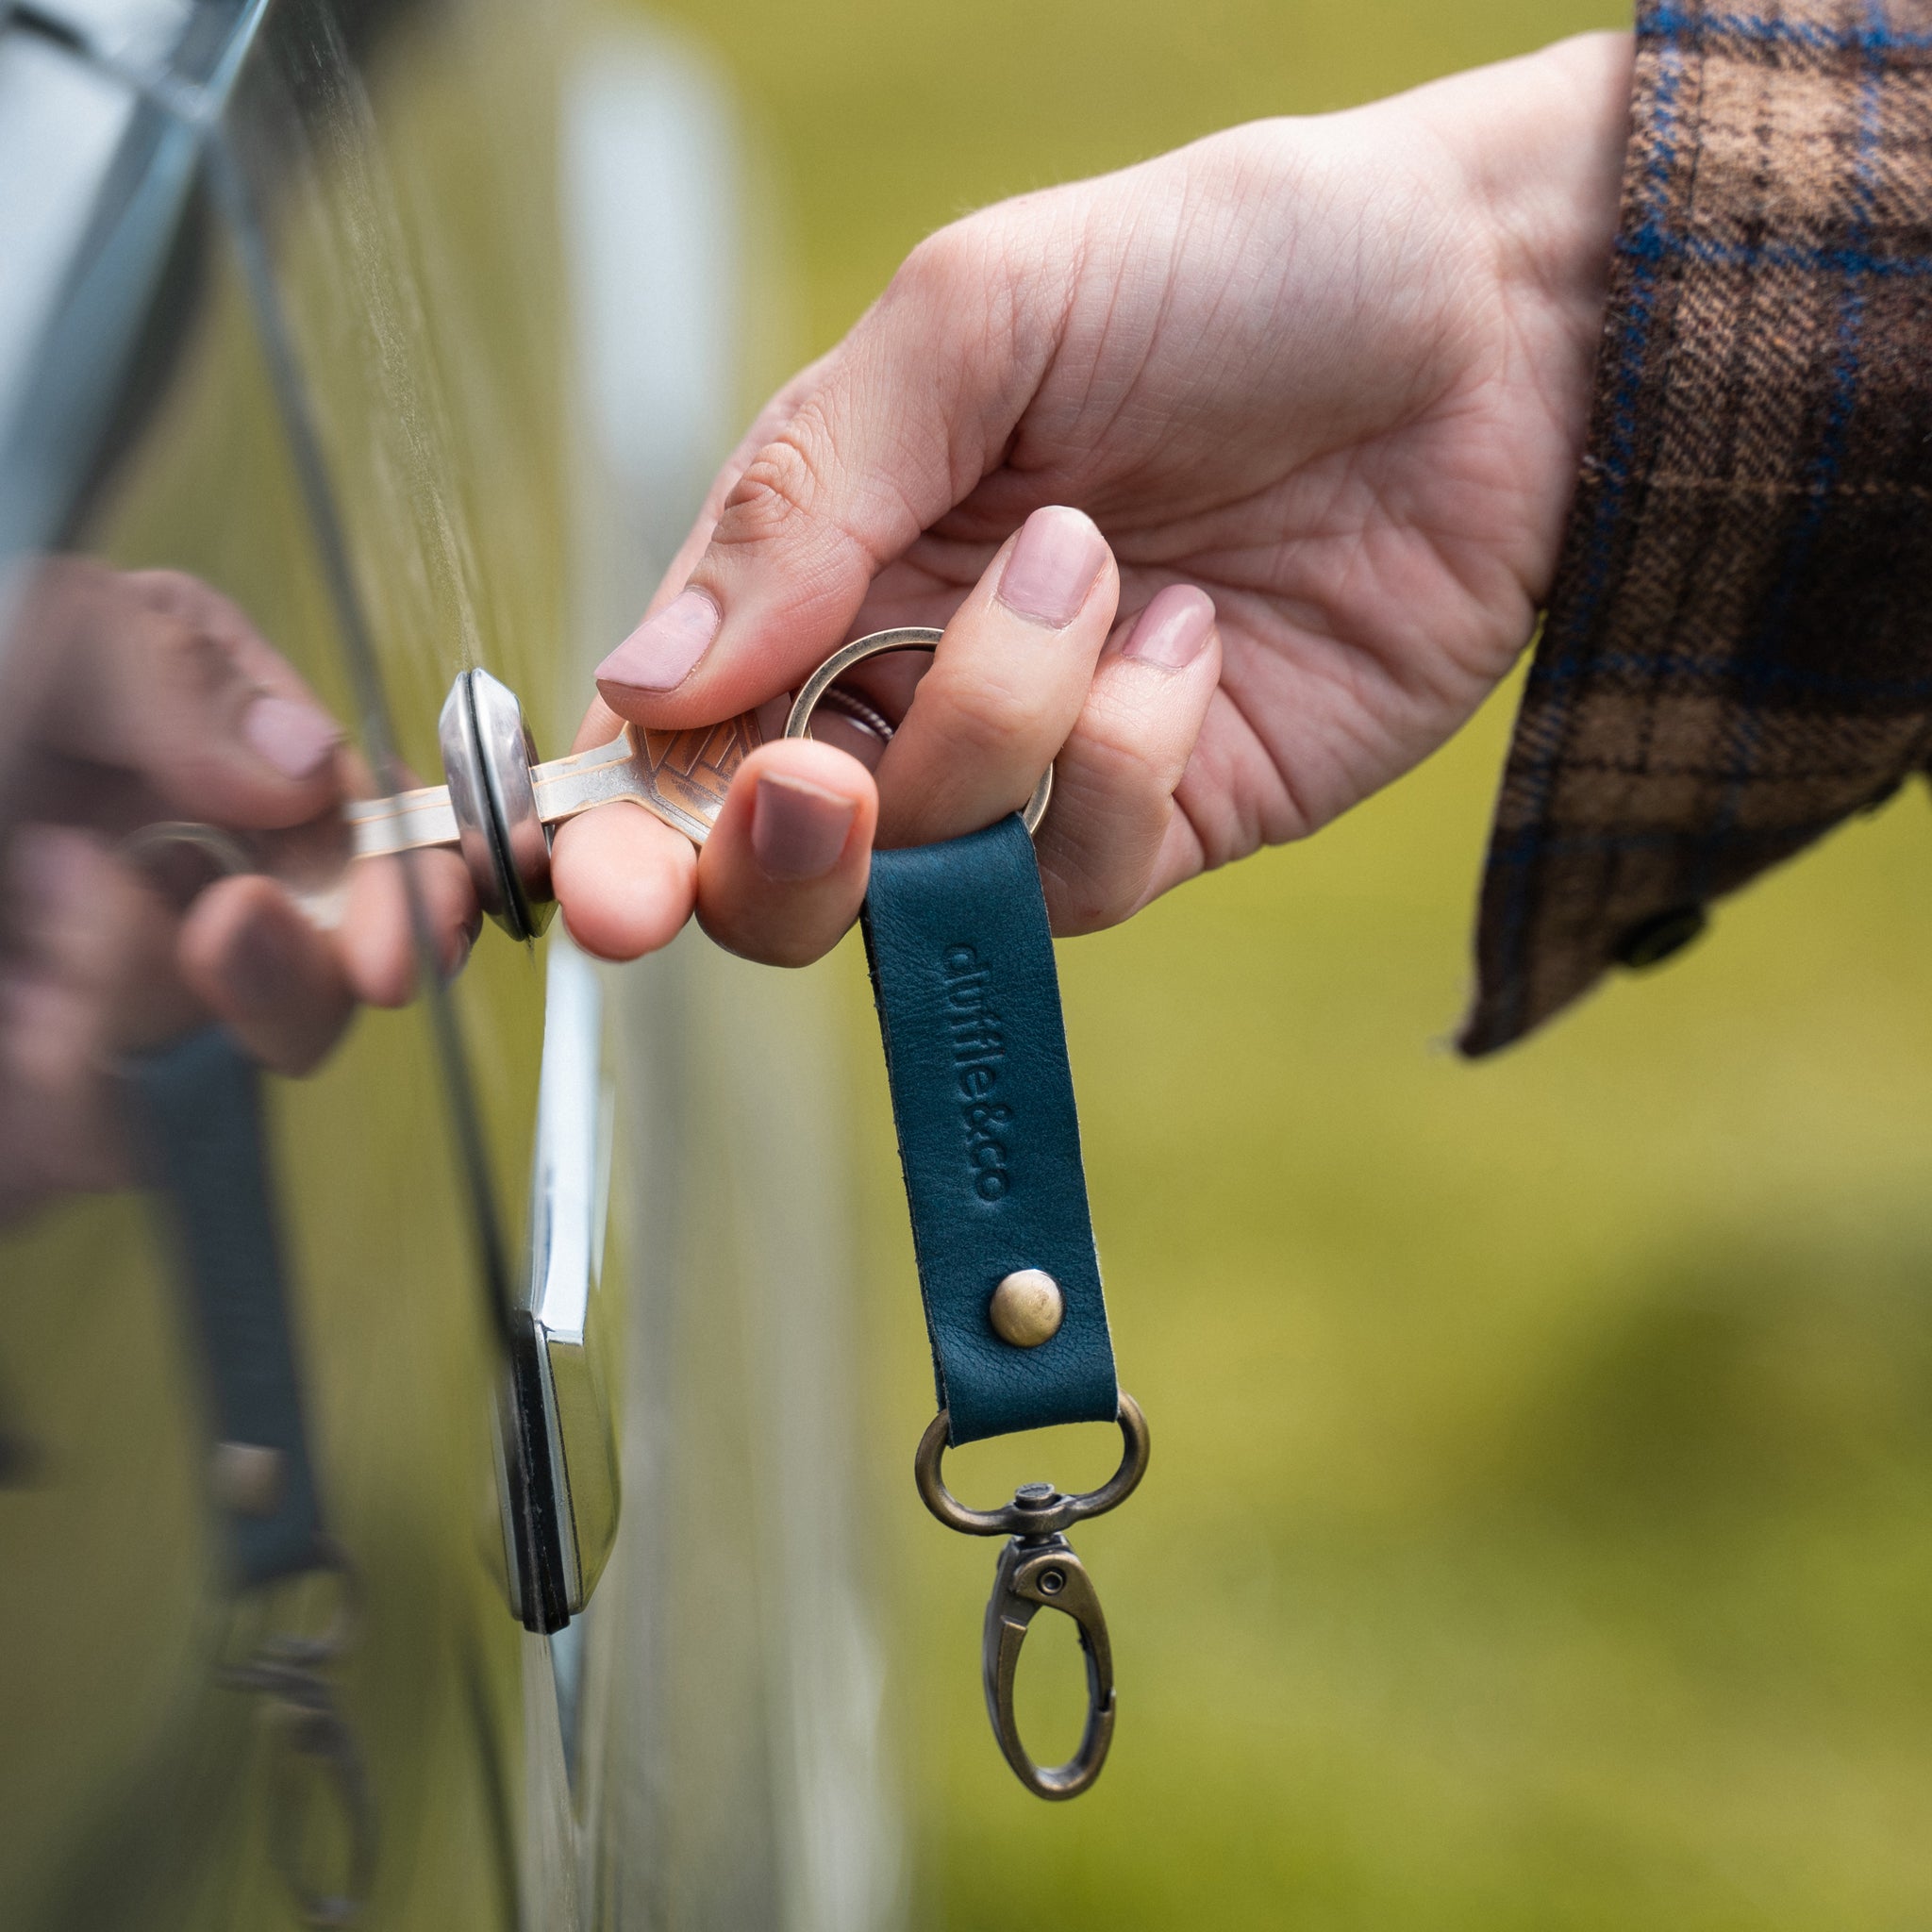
680 775
692 771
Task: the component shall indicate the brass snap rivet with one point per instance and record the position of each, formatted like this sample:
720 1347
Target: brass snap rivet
1028 1307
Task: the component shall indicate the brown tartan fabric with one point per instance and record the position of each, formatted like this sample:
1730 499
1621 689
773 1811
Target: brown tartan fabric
1737 652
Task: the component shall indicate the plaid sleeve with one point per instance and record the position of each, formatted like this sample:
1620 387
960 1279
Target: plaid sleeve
1738 651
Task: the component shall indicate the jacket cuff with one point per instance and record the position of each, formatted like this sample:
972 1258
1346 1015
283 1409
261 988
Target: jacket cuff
1738 651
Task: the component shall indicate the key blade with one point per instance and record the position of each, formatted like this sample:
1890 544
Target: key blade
681 776
409 821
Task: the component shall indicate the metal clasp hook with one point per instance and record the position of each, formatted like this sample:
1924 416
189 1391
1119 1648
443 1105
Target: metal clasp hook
1037 1573
1039 1570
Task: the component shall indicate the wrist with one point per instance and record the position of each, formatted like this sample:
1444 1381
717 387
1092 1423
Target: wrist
1540 144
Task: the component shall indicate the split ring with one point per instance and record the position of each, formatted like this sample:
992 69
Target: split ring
911 637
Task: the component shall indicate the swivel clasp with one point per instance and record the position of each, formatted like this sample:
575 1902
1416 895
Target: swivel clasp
1036 1574
1037 1570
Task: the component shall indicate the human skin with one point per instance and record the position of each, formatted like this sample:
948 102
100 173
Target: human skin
139 698
1237 478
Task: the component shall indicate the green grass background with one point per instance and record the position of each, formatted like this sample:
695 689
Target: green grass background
1540 1529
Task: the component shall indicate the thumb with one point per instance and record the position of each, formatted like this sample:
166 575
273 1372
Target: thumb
162 678
907 416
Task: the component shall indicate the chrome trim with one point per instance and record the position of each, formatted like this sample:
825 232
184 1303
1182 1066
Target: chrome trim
101 135
569 1197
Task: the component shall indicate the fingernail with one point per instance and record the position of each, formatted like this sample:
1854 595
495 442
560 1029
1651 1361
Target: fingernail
294 737
798 830
1173 631
1053 566
661 653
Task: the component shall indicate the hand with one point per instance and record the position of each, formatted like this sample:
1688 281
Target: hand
1324 386
133 700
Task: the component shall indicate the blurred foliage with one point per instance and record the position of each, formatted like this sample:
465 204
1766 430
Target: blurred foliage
1543 1451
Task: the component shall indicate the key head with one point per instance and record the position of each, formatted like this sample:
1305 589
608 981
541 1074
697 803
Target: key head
486 756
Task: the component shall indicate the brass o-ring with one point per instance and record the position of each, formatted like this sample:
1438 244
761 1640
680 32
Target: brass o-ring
1045 1519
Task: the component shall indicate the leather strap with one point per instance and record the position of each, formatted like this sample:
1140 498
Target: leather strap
969 1005
196 1112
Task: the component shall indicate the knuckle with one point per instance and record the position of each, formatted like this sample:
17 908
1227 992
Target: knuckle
184 661
984 718
948 260
789 499
978 731
1098 844
969 282
203 664
777 490
174 597
1133 730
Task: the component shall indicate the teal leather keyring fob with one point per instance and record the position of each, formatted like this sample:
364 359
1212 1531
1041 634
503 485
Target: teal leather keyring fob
968 1004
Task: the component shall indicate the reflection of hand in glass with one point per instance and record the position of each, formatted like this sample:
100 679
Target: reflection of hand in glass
132 701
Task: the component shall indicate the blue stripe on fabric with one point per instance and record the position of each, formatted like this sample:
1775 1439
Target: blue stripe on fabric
1686 24
1633 340
1653 244
1758 662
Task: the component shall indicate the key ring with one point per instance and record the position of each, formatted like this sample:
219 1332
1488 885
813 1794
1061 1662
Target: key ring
910 636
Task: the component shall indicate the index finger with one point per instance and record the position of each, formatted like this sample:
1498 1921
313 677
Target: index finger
910 413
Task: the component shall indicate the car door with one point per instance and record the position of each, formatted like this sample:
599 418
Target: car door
426 1494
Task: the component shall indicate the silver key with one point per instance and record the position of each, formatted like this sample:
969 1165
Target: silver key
499 801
